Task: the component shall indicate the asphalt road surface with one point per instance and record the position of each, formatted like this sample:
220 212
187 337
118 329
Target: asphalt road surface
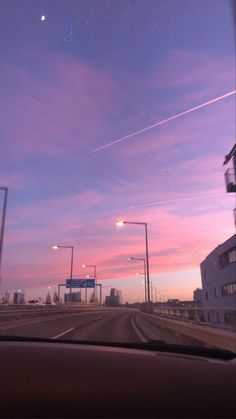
114 325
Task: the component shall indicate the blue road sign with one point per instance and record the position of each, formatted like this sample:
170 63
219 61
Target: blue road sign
80 283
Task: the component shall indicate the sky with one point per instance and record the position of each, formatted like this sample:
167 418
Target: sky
115 109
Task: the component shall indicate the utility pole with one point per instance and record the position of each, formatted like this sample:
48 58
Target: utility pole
5 190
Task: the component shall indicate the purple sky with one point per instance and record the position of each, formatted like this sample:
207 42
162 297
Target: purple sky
93 72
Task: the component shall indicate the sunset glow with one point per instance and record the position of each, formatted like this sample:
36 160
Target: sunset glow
127 121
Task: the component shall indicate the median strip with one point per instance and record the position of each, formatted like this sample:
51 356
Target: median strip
63 333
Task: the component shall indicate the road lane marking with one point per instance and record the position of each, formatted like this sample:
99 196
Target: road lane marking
137 331
63 333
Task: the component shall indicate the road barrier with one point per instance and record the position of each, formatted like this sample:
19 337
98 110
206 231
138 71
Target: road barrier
208 334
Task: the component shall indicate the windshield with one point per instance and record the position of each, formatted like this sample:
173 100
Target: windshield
116 198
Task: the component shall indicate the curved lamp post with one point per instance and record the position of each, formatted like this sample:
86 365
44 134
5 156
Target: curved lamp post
95 276
145 273
56 247
120 223
5 190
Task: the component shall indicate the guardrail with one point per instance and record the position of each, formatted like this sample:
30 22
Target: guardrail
206 315
185 313
188 322
5 307
12 307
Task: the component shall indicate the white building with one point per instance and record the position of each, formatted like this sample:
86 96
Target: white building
218 274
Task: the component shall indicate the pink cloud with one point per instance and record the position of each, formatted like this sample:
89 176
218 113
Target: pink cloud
191 77
176 243
78 102
15 181
190 69
50 208
65 98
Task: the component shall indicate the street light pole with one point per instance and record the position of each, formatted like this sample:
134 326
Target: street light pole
95 277
59 288
57 246
86 293
5 190
71 263
155 294
120 224
147 260
100 285
95 283
145 274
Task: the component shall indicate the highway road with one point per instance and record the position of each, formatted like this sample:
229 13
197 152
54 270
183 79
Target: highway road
107 325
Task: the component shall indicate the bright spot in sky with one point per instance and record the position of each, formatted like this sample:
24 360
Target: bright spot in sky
43 17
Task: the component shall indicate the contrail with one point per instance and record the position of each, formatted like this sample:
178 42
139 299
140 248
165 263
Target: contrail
164 121
171 201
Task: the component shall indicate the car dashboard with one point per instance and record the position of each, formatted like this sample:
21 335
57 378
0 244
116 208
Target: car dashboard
57 379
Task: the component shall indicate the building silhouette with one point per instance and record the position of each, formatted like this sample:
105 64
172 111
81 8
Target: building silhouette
19 297
115 298
73 297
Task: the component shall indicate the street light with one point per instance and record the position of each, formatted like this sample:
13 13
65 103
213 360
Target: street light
162 295
144 282
155 294
145 274
95 277
120 223
58 291
91 266
56 247
151 290
5 190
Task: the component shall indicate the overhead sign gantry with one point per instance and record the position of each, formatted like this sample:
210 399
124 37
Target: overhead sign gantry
80 283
